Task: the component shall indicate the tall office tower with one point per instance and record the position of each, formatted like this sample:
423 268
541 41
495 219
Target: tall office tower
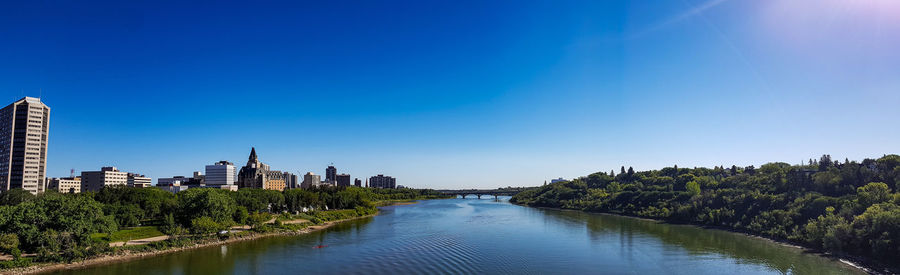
24 127
330 174
220 173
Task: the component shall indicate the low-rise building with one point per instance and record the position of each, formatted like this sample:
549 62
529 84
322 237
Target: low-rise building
219 175
199 176
179 188
65 185
177 180
179 183
107 176
173 188
139 181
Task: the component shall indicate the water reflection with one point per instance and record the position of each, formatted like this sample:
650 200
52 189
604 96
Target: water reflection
695 242
489 237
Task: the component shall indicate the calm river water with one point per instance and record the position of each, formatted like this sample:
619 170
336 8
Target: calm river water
473 236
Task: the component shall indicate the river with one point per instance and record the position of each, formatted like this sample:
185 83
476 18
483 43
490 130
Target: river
488 236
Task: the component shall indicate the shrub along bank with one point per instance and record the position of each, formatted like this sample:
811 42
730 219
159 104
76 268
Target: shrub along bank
842 207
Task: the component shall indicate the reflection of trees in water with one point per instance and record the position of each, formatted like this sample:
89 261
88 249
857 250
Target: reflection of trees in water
341 231
251 255
695 241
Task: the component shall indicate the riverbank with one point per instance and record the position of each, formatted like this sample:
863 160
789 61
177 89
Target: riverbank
865 265
127 255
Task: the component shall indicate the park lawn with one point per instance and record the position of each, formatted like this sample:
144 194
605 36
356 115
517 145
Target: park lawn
133 233
333 215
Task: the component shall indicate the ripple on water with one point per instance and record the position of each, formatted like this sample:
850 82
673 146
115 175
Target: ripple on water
431 253
488 237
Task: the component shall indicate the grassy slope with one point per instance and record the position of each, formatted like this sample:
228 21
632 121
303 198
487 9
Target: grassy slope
129 234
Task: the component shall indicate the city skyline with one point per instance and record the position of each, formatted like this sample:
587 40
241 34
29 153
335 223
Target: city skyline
493 93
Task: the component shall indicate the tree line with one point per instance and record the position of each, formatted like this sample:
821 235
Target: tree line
843 207
59 227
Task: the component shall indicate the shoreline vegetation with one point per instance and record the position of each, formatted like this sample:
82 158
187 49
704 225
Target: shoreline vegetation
129 253
849 261
51 231
841 210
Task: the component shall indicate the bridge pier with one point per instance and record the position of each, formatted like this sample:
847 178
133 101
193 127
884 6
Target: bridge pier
463 196
479 196
496 197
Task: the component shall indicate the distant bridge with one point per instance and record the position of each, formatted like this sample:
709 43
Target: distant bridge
478 193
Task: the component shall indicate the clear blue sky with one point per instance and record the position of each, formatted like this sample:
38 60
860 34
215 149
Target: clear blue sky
450 94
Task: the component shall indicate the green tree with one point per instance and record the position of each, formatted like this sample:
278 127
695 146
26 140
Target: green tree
169 226
888 162
15 196
9 244
256 221
829 232
128 215
216 204
151 202
240 215
293 199
205 225
78 216
873 193
828 182
825 162
878 231
256 200
693 187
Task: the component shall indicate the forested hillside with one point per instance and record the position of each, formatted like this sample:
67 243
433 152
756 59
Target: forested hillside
844 207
